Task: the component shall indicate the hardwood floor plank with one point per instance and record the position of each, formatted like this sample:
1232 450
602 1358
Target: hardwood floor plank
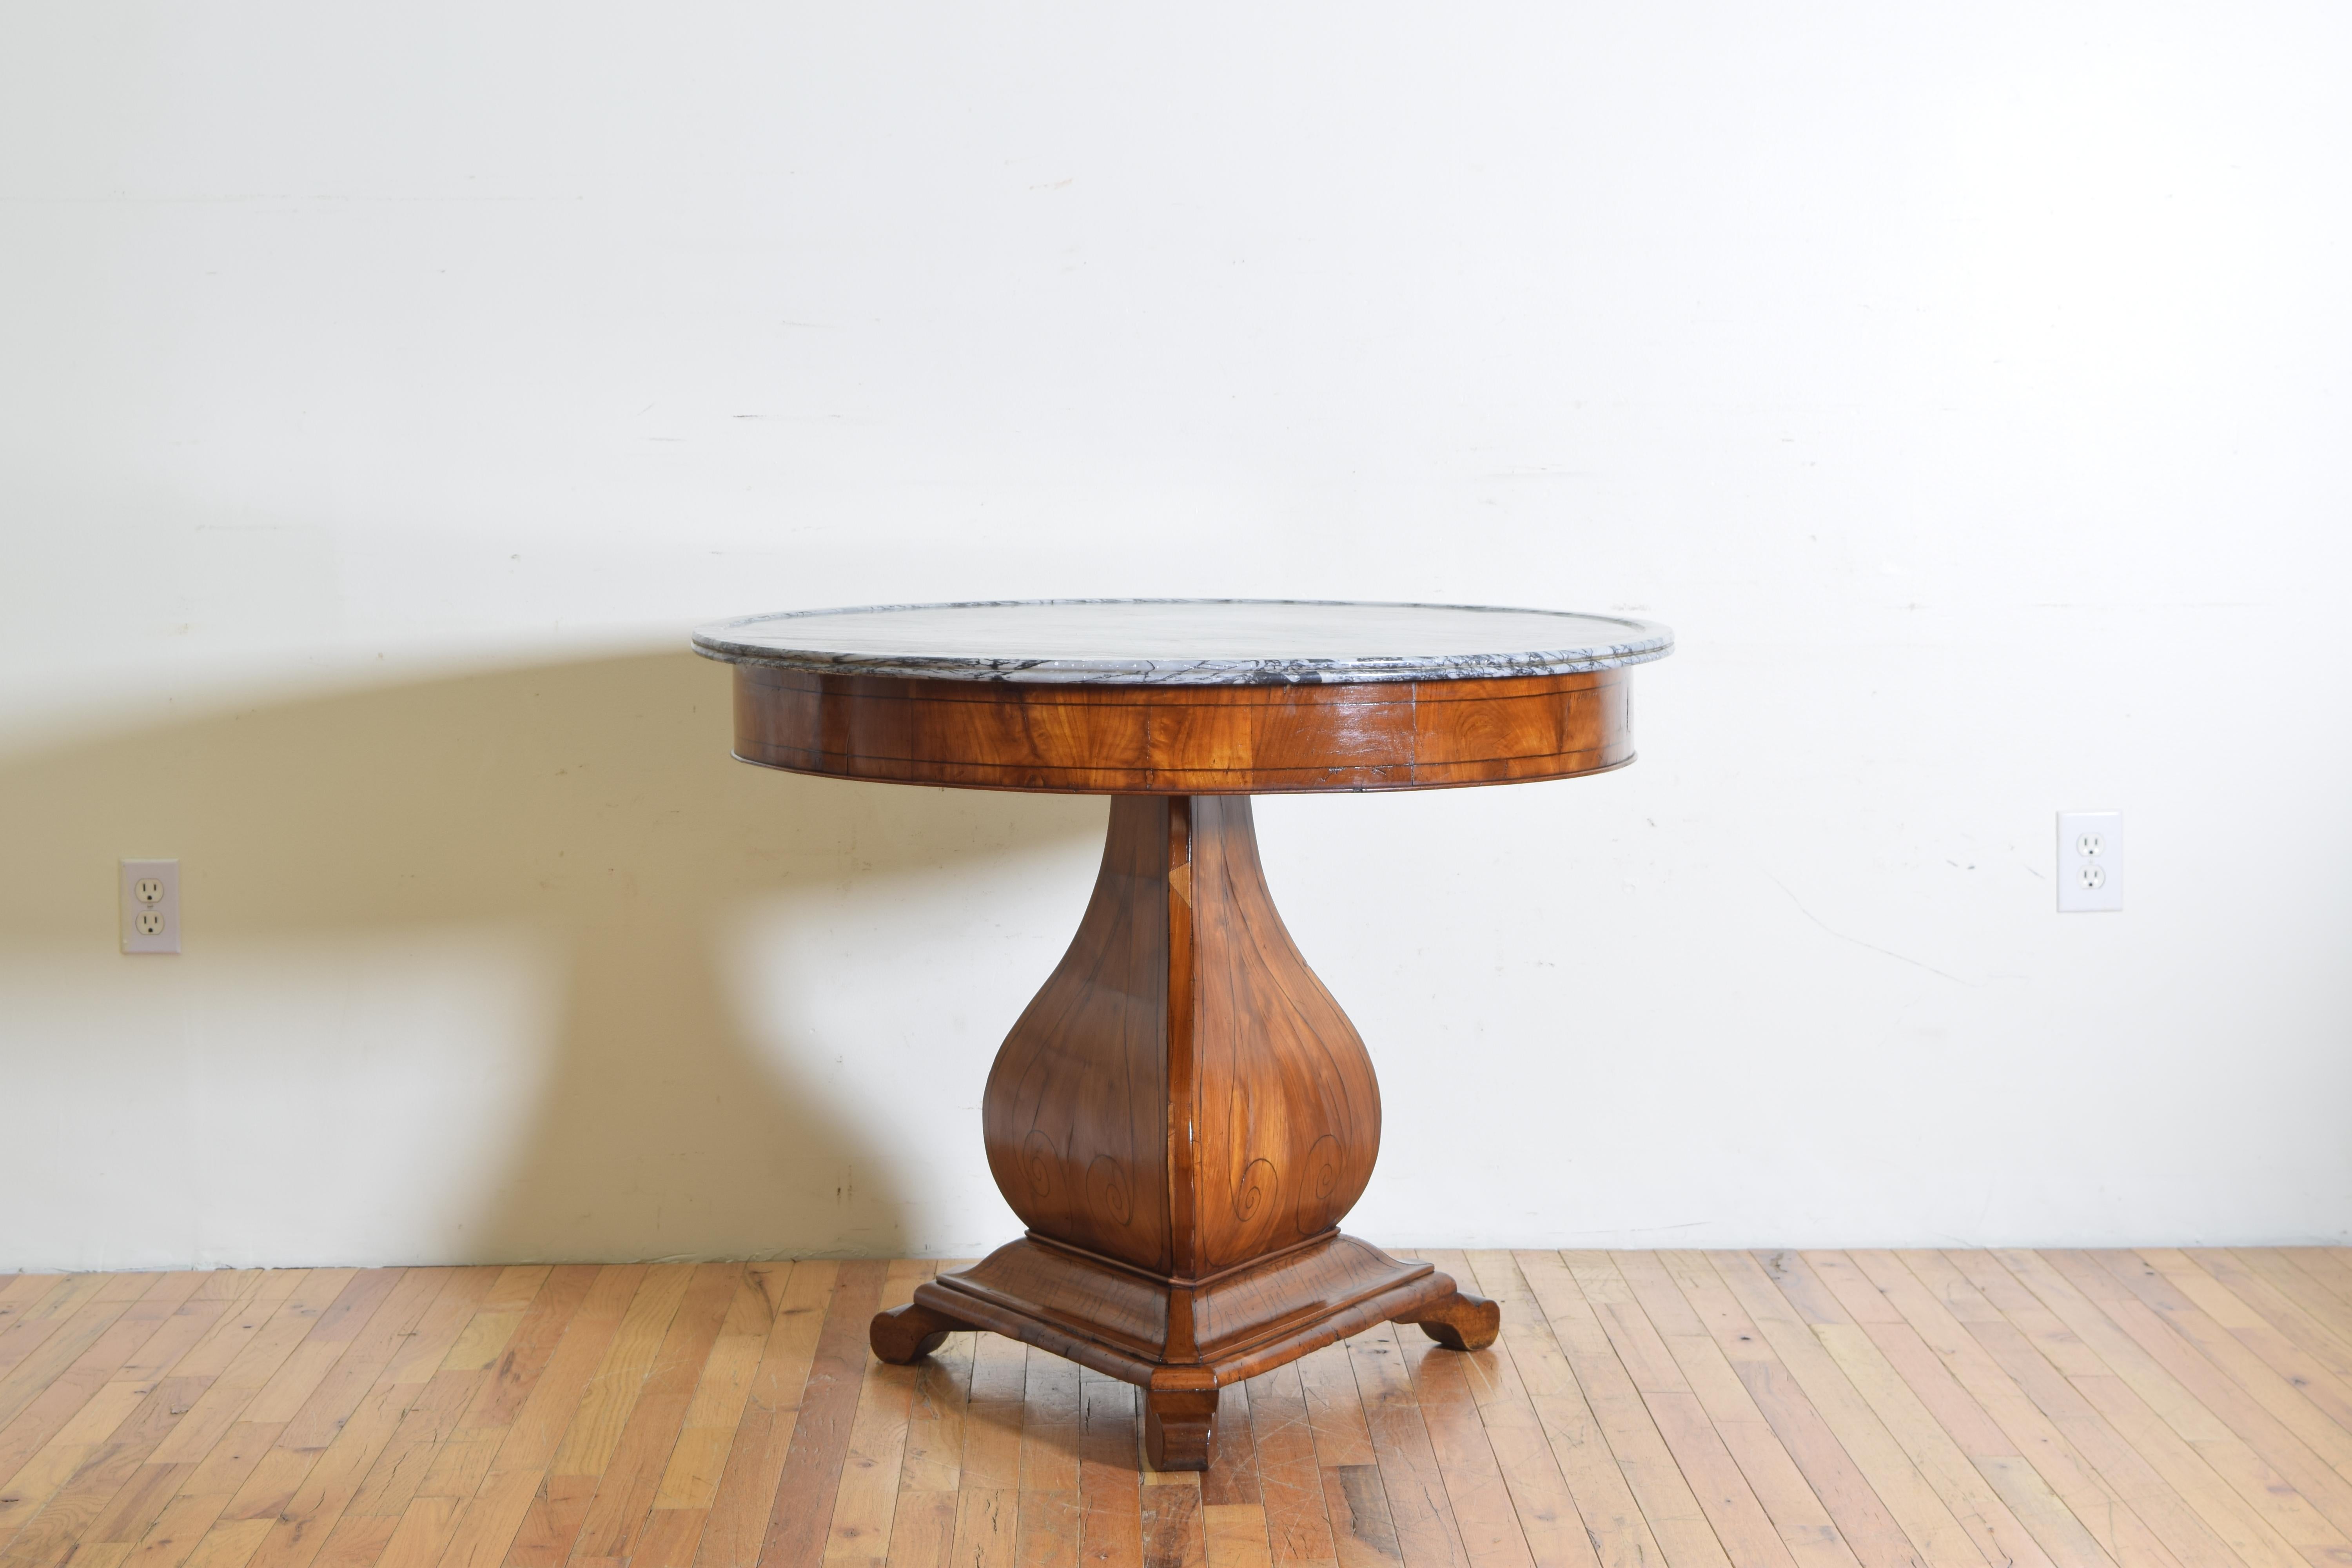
347 1445
532 1349
1806 1530
2322 1308
2050 1390
1540 1499
299 1376
716 1413
987 1526
2249 1274
1421 1510
796 1296
922 1529
182 1523
51 1408
2179 1466
2293 1389
258 1359
641 1454
865 1500
801 1512
1232 1479
135 1505
550 1522
2163 1408
33 1325
1967 1491
214 1298
62 1426
1669 1506
1335 1407
202 1405
92 1494
1452 1389
2097 1505
1864 1522
1446 1386
596 1430
1050 1522
343 1442
428 1415
1236 1535
671 1538
993 1414
228 1545
1896 1354
1172 1524
2329 1267
36 1481
68 1338
1749 1533
223 1470
356 1542
1051 1526
425 1526
314 1426
491 1519
201 1337
317 1515
1053 1429
1926 1519
1290 1482
1355 1501
19 1291
936 1418
2270 1466
1602 1508
1110 1490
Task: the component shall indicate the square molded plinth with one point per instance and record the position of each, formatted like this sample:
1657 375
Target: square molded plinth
1131 1324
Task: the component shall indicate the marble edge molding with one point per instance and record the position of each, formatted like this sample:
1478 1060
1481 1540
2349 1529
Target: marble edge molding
1650 641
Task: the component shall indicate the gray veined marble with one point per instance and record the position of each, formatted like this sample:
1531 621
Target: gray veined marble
1185 642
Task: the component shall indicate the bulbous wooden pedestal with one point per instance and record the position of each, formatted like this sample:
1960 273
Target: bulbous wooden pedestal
1183 1115
1180 1118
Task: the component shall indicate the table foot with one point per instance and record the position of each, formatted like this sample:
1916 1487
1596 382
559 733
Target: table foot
1459 1321
905 1334
1180 1425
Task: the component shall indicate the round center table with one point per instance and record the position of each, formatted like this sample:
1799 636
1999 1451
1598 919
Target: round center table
1183 1114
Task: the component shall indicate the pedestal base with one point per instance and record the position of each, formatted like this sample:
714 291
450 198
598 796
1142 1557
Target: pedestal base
1180 1118
1179 1340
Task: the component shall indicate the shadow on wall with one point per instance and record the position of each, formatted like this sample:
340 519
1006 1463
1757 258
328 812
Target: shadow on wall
594 805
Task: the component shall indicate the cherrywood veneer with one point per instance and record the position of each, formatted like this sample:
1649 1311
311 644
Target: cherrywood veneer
1183 739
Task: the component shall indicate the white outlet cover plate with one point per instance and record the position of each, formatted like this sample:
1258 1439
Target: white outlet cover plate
2090 862
165 905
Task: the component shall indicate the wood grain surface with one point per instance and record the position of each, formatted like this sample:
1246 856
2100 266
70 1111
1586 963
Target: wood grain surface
1181 1118
1184 740
1183 1095
2162 1408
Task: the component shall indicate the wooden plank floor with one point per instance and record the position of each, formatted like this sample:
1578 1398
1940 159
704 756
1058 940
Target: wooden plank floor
2150 1409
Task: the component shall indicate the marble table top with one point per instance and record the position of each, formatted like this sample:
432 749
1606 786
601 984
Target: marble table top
1185 642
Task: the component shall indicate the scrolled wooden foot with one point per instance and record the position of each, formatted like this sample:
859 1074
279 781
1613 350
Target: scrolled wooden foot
1460 1321
904 1334
1180 1427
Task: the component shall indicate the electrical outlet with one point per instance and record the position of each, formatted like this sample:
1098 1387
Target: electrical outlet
2090 861
150 906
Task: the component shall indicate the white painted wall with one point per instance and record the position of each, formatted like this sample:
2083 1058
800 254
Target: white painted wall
383 392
